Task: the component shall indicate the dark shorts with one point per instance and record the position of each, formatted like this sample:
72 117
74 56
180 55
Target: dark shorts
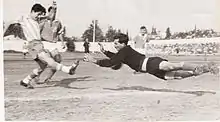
153 67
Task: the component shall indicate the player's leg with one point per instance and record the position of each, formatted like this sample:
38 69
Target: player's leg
197 69
180 74
159 67
152 65
46 56
37 51
52 71
168 66
35 73
57 57
33 48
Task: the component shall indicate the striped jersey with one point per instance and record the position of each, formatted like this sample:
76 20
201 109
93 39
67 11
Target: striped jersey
30 28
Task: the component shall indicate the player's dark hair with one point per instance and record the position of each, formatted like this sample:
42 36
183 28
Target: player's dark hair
38 8
143 27
50 8
44 11
123 38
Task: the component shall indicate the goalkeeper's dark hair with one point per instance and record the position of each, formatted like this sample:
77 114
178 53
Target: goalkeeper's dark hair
123 38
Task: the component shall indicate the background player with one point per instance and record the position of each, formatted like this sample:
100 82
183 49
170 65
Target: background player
25 50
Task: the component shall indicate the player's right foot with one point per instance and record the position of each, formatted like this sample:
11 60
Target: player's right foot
201 69
29 86
215 70
197 71
210 67
73 68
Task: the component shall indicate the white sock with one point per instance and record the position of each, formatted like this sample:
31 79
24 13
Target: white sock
59 67
73 65
63 68
66 69
27 79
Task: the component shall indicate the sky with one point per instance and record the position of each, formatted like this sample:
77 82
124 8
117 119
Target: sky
76 15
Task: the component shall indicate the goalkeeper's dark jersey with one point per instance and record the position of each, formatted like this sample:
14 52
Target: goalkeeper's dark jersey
126 55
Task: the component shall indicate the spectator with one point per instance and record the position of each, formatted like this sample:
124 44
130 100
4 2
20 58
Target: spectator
141 39
25 49
86 45
168 33
184 49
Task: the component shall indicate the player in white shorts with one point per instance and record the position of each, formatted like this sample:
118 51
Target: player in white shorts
43 57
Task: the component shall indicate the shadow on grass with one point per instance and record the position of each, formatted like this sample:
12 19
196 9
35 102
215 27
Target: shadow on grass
65 83
141 88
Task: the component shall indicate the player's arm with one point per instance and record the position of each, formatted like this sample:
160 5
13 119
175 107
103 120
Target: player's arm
115 60
107 53
43 17
61 31
54 5
61 34
46 16
41 25
147 38
58 30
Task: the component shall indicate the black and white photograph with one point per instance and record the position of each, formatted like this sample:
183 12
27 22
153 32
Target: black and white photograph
110 60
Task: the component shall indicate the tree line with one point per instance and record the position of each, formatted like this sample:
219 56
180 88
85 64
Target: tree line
99 35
